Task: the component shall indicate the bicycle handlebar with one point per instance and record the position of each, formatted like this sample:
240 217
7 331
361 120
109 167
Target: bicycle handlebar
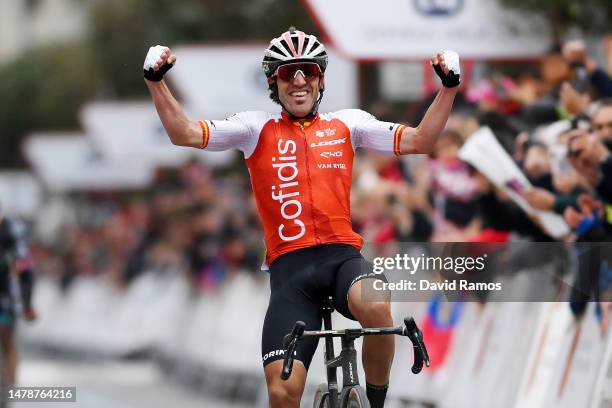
420 351
289 345
409 330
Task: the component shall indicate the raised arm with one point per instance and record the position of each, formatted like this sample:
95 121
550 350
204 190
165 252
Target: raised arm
422 139
395 138
181 130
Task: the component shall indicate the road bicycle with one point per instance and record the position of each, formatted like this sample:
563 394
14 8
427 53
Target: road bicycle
352 395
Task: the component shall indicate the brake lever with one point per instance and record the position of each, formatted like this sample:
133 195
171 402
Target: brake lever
289 345
418 344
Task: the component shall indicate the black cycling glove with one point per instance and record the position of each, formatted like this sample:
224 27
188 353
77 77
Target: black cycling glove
449 80
152 58
158 75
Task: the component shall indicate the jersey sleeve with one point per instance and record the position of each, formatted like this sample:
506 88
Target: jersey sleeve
371 133
240 131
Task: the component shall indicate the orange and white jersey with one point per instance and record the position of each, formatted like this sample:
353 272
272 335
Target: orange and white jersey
301 173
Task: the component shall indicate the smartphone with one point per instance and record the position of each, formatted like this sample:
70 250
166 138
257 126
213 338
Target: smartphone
580 80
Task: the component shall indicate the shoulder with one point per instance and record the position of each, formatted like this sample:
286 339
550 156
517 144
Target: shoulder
251 117
350 116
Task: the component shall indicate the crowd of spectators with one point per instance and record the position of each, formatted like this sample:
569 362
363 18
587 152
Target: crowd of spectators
556 124
191 221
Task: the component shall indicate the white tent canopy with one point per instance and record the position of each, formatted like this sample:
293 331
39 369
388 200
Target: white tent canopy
69 161
133 132
218 81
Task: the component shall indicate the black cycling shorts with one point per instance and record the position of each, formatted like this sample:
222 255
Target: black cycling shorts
300 282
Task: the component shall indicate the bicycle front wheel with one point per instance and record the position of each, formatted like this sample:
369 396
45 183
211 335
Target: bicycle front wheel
321 399
355 397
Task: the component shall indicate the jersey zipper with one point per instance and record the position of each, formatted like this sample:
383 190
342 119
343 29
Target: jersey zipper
314 224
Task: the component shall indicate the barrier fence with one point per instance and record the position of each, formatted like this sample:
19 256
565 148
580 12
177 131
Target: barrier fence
503 354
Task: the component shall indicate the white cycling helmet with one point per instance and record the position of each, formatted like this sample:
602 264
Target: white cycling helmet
293 46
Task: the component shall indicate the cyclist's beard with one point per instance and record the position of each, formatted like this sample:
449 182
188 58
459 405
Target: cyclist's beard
313 111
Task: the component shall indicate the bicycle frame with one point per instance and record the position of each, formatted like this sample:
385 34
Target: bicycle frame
332 374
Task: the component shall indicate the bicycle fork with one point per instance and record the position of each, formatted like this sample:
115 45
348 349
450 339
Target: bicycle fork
347 360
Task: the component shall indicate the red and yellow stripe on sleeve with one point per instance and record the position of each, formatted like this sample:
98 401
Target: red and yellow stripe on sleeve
397 139
205 134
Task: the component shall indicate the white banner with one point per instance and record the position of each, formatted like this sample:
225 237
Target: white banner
218 81
483 151
415 29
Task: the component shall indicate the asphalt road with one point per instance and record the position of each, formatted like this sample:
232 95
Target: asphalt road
104 384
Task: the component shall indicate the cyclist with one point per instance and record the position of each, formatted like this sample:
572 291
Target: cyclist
14 296
300 165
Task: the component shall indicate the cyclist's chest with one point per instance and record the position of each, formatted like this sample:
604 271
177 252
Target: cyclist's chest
317 154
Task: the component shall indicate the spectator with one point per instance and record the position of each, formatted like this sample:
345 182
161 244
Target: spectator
586 69
601 120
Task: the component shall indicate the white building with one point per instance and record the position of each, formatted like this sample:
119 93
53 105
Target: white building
28 23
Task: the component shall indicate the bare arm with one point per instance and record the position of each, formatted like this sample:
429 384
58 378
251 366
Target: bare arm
422 139
181 130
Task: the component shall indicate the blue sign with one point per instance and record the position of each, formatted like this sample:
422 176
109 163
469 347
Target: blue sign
438 8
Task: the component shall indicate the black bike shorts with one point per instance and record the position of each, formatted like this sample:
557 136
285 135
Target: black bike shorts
300 282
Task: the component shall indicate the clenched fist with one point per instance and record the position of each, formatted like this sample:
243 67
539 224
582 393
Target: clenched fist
446 65
159 60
